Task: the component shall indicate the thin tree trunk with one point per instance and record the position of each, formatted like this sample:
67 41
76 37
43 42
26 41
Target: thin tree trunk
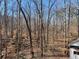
5 18
41 18
65 21
69 18
0 38
78 17
12 23
29 30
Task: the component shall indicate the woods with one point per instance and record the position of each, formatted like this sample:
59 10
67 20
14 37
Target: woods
37 28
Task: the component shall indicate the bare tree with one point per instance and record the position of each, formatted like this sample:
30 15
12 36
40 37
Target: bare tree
0 38
78 17
49 16
69 19
12 22
5 19
29 30
0 34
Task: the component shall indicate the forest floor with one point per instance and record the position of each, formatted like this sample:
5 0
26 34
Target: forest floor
53 58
